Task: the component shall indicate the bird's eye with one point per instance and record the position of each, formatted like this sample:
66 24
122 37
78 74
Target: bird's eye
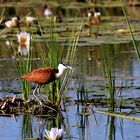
64 64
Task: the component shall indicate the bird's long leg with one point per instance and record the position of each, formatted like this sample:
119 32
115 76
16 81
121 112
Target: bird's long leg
38 90
34 93
97 30
90 27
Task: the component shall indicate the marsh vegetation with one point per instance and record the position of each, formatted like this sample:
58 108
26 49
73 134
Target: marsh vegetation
100 40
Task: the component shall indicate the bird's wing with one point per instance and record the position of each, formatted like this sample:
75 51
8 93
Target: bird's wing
41 75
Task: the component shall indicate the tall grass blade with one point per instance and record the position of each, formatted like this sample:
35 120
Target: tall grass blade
130 29
23 65
107 70
118 115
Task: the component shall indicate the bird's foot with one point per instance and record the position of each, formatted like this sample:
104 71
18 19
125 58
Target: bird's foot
40 102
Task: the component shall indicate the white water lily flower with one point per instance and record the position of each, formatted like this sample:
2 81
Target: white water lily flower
23 50
24 43
54 134
24 38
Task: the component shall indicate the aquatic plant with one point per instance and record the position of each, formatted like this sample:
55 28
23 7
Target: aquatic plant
118 115
131 32
70 55
82 84
110 126
107 70
24 65
108 56
24 43
54 134
27 126
22 58
55 55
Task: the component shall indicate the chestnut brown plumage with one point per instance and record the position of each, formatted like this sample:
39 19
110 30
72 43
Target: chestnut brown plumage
41 75
94 20
45 75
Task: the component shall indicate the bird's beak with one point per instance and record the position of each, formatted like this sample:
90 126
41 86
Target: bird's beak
70 67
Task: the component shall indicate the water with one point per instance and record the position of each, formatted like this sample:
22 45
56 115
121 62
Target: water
80 122
96 126
99 127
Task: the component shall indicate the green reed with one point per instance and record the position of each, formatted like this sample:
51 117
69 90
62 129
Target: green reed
57 121
27 126
118 115
82 94
110 126
23 65
70 55
131 31
56 55
54 59
108 53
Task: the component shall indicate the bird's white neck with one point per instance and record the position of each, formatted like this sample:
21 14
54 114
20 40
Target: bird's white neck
61 69
59 74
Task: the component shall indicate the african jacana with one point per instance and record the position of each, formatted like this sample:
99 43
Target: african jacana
94 20
29 20
45 75
13 22
47 11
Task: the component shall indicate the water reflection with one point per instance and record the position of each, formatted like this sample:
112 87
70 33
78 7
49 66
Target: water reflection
82 127
27 130
111 128
98 126
30 126
83 122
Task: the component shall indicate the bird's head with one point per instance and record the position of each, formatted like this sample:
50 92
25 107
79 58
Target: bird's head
45 6
63 66
15 19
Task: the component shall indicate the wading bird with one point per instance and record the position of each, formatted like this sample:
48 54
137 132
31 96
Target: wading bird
45 76
29 20
47 12
13 22
94 20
